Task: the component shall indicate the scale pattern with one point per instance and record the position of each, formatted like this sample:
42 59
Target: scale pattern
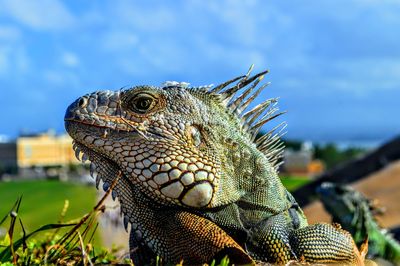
326 243
355 213
195 182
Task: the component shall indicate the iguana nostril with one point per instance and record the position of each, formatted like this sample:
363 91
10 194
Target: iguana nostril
193 166
82 102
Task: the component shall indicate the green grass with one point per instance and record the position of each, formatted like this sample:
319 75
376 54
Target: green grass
42 204
74 245
43 201
294 182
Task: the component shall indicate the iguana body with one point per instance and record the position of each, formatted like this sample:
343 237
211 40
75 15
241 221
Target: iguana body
354 212
194 182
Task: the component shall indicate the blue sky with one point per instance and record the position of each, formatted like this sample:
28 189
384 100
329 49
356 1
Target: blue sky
335 64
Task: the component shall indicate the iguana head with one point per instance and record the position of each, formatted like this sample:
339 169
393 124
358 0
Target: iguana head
339 199
346 205
180 145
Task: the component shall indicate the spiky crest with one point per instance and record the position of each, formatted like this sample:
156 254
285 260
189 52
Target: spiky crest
252 120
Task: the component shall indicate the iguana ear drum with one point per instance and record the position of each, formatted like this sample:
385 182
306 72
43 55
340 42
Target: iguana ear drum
163 147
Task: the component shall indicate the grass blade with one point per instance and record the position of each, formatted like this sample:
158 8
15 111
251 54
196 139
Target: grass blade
6 254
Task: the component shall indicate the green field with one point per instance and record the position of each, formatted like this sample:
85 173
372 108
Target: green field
293 182
43 201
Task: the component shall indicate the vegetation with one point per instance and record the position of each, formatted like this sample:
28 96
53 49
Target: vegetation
44 229
50 247
44 200
293 182
54 241
333 156
329 153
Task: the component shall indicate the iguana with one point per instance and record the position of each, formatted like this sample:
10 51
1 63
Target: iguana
195 183
354 212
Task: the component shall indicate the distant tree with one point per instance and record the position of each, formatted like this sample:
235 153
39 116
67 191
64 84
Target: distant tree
329 153
293 144
333 156
73 168
2 169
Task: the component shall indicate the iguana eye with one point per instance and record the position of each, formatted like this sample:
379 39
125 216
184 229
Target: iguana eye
142 103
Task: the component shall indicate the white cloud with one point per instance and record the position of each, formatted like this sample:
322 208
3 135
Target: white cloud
377 2
93 17
356 78
369 74
119 39
53 77
21 60
9 33
4 60
242 20
70 59
168 57
13 61
147 17
61 79
39 14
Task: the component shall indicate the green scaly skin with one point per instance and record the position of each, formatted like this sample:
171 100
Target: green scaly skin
195 184
353 211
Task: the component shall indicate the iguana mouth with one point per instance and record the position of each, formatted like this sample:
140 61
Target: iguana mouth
184 182
100 166
194 176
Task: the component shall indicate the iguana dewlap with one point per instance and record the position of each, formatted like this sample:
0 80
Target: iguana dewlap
195 183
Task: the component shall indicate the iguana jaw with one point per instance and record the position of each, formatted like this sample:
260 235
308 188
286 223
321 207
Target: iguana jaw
163 169
182 152
100 166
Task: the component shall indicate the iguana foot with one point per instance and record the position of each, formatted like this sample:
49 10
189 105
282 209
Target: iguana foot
275 241
325 243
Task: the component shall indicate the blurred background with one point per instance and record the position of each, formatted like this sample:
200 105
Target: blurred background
334 64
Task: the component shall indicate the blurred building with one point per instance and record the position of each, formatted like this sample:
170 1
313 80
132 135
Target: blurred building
301 162
45 149
27 152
